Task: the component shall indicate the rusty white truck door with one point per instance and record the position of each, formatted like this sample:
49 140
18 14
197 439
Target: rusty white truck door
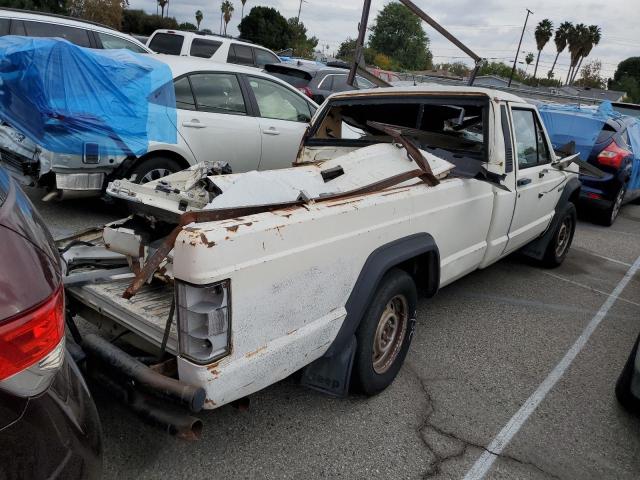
538 185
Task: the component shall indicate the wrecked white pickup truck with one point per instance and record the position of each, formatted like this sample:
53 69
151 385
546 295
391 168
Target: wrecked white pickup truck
244 279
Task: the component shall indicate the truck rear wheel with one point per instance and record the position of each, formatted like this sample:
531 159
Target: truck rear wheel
559 246
385 333
623 385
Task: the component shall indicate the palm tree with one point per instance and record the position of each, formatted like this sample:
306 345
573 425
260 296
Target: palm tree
543 33
162 3
227 10
575 41
528 60
560 40
592 38
242 14
199 17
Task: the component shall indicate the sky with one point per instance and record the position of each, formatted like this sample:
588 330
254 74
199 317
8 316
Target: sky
491 28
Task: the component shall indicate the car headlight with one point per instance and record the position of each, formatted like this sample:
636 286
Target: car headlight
204 321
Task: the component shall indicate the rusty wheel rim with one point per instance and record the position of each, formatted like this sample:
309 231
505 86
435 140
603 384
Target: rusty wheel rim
390 333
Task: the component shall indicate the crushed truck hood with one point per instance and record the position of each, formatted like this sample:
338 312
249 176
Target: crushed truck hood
196 189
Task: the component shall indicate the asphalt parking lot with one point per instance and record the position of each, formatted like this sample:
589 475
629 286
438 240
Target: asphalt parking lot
483 346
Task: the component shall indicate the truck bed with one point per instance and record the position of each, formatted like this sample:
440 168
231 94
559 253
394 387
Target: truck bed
145 314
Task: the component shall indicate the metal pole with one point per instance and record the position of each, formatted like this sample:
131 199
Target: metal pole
299 10
515 62
359 51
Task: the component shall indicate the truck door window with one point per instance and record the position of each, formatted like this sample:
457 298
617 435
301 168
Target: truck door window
530 145
204 48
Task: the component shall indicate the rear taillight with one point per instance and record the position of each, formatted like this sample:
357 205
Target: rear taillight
30 336
307 91
613 155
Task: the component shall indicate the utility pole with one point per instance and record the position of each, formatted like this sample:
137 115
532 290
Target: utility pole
515 62
300 9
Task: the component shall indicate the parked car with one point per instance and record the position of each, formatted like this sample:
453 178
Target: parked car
628 384
81 32
317 268
317 81
49 427
606 140
225 112
213 47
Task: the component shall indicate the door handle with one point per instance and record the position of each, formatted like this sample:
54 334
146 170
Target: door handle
523 181
193 124
543 173
271 131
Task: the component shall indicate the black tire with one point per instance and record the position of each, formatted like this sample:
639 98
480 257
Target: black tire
563 236
608 217
389 320
623 385
154 168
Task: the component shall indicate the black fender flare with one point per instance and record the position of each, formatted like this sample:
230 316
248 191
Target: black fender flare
331 373
537 247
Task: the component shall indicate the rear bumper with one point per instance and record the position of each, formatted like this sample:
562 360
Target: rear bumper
58 434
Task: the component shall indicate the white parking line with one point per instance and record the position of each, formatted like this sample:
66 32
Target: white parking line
609 259
587 287
500 442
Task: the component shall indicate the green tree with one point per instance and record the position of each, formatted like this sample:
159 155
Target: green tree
502 70
302 45
398 34
591 76
199 17
347 49
456 68
107 12
591 38
137 21
560 39
53 6
528 60
542 34
627 79
187 26
266 26
227 10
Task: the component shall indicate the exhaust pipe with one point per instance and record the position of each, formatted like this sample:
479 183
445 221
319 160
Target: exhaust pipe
174 423
124 365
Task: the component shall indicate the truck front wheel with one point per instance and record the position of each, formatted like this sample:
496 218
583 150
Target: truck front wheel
563 236
385 333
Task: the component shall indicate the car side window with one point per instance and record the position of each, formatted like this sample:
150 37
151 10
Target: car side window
326 83
364 83
263 57
278 102
531 147
110 42
218 93
184 95
4 26
240 54
204 48
340 83
74 35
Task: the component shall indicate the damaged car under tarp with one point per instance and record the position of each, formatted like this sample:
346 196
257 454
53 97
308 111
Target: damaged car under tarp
59 101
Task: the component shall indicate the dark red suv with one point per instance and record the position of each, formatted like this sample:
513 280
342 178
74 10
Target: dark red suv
49 427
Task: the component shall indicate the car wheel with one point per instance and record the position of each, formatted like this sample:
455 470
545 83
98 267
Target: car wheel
385 333
609 215
563 236
153 169
623 385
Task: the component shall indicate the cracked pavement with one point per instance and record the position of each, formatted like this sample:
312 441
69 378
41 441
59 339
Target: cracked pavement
482 346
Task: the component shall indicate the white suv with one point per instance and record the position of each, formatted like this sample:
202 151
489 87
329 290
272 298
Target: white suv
80 32
214 47
225 112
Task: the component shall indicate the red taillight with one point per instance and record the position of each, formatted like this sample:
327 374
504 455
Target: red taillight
307 91
613 155
29 336
594 196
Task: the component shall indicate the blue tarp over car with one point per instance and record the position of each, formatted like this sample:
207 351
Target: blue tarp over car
583 124
61 96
